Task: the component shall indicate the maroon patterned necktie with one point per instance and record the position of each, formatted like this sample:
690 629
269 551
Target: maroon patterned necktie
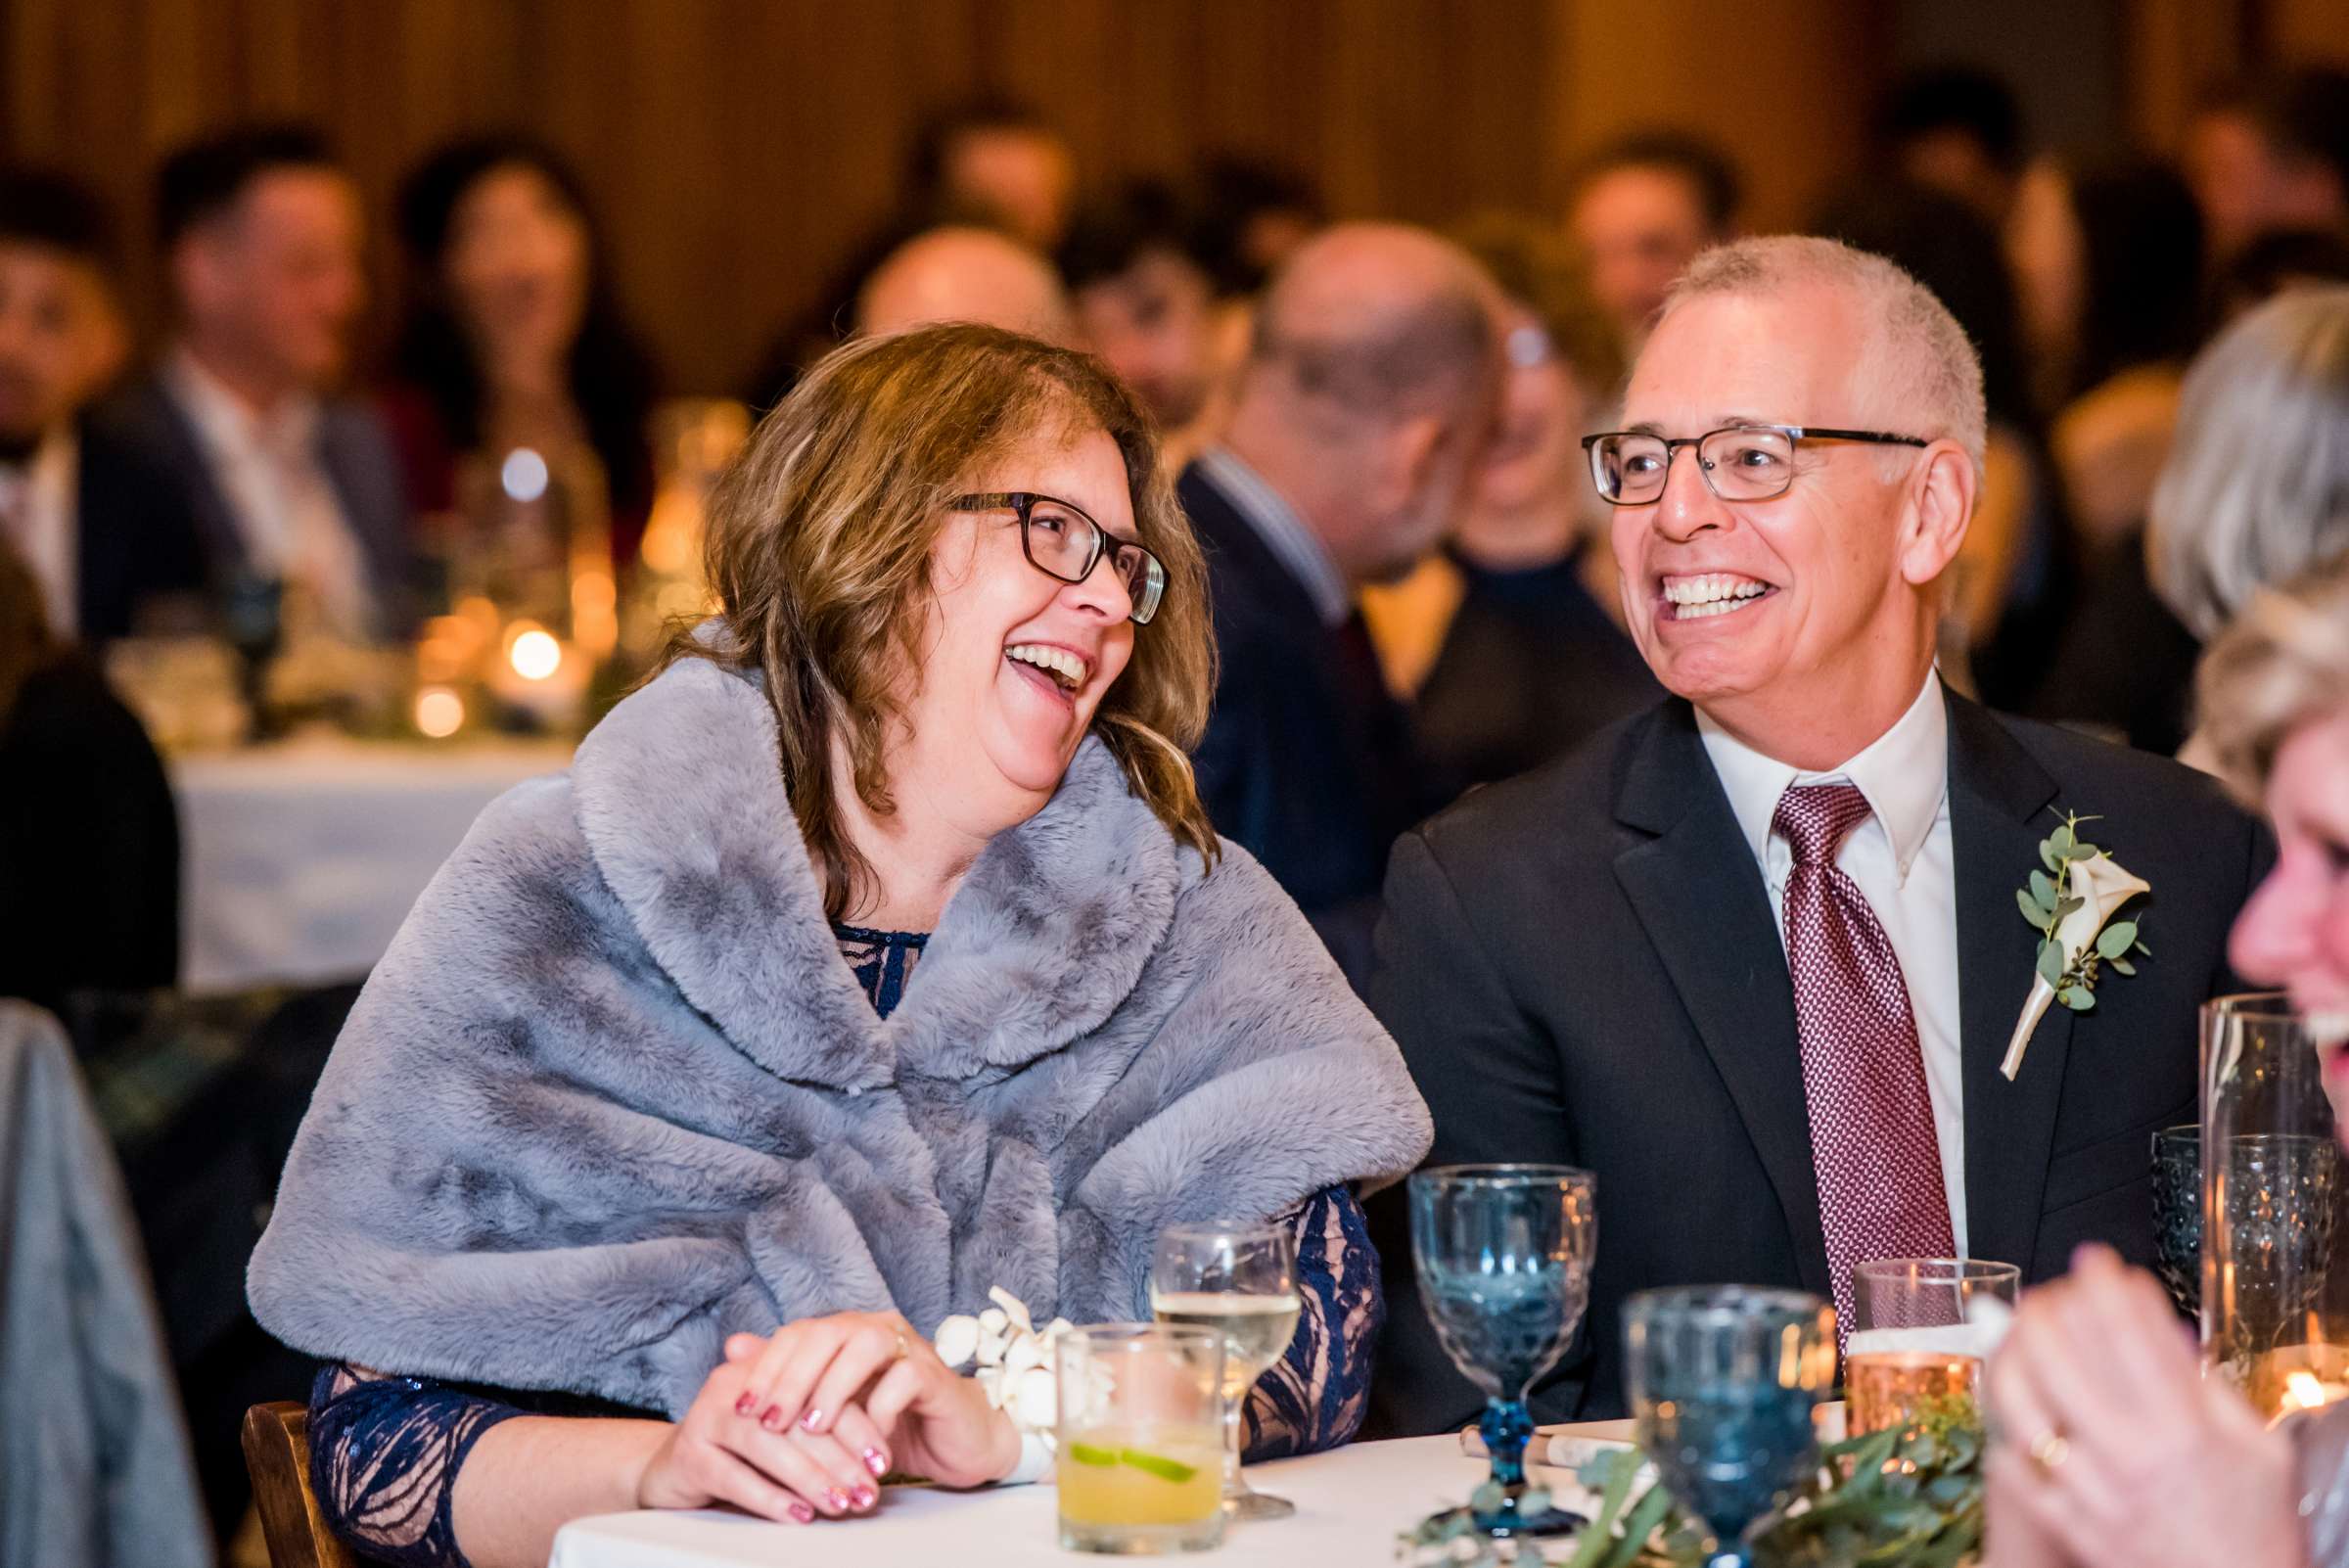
1873 1142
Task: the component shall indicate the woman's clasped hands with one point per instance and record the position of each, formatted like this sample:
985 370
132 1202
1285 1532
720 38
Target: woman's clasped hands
803 1423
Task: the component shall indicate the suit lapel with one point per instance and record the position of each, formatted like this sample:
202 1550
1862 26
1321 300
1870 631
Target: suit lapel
1998 799
1706 910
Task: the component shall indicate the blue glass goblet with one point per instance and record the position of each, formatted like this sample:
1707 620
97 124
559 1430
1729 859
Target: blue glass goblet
1503 1257
1723 1380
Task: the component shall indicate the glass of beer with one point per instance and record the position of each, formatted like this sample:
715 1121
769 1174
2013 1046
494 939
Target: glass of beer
1140 1438
1923 1328
1239 1279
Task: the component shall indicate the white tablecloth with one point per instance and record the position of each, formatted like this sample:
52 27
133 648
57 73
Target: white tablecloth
300 860
1350 1504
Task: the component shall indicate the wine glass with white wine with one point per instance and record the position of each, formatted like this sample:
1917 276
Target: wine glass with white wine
1239 1278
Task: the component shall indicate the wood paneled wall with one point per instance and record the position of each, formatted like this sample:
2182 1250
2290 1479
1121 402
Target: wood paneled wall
738 147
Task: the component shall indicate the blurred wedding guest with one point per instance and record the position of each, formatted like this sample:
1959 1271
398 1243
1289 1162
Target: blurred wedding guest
1139 278
2256 488
1642 210
2009 587
2113 1449
2271 152
997 161
2110 262
294 486
2276 263
875 953
1956 129
1752 958
514 337
101 526
1507 638
89 835
1254 215
1361 419
965 274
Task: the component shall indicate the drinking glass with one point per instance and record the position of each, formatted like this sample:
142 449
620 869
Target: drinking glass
1140 1438
2274 1294
1503 1257
1239 1279
1723 1382
1923 1328
2178 1216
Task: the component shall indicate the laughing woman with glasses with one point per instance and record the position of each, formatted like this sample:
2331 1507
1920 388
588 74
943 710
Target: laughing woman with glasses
875 953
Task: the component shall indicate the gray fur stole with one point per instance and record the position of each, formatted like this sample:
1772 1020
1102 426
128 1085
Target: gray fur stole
613 1094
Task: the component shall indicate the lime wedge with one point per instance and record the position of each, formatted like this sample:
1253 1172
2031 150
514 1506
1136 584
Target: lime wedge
1157 1465
1085 1454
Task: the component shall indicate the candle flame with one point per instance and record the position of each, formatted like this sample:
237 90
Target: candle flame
439 712
2303 1391
535 655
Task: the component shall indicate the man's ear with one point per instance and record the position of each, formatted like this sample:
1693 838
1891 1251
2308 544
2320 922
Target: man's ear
1413 445
1941 503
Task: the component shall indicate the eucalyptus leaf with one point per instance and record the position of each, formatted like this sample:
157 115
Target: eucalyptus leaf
2048 857
2114 940
2040 918
2065 908
2082 852
2060 841
2050 963
2043 890
2078 998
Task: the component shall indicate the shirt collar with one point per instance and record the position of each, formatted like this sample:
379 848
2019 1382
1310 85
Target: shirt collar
1905 773
1285 533
226 420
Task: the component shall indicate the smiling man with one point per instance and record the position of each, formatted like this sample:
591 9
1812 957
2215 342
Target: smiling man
1754 956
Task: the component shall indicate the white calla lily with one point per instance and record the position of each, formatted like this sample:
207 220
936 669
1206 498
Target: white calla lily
2102 884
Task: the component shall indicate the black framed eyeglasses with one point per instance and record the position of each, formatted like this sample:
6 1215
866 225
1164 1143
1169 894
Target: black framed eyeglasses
1062 541
1739 463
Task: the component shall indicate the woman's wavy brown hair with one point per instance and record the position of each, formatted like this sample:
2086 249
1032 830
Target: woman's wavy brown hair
818 550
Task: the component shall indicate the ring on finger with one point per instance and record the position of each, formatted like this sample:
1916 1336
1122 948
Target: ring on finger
2047 1451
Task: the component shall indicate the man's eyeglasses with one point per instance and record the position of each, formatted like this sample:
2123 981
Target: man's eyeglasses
1062 541
1741 463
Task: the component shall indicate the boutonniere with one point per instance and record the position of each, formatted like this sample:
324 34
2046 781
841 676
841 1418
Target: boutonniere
2071 905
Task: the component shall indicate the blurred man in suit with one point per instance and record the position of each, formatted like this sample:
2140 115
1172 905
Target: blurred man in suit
1139 274
293 486
103 533
1754 956
1642 210
1365 403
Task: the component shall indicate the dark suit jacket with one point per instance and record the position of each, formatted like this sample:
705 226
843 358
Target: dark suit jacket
138 547
360 462
1309 762
1581 967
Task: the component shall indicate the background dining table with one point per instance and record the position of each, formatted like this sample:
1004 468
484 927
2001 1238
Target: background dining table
301 859
1351 1503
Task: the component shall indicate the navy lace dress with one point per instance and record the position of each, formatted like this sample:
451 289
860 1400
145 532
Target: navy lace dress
385 1449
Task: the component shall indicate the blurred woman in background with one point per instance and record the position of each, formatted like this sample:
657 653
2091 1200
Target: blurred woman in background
2256 489
2112 1449
513 337
1510 639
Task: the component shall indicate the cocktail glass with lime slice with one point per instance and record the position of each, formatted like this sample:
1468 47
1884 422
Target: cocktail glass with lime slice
1140 1465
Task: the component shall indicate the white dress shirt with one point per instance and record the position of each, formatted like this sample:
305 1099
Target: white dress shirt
1289 538
38 517
279 495
1901 860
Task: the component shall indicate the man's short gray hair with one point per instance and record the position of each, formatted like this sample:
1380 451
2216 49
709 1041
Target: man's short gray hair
1918 373
2256 488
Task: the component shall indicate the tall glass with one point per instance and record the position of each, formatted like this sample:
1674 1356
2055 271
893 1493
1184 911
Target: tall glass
2178 1216
2274 1294
1140 1438
1503 1257
1722 1381
1237 1278
1923 1328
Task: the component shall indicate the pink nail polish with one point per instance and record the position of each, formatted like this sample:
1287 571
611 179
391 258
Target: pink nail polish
864 1496
803 1513
742 1405
876 1462
813 1419
838 1498
772 1419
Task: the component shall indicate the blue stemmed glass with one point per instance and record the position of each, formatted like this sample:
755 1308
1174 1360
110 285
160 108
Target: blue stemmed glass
1503 1257
1723 1380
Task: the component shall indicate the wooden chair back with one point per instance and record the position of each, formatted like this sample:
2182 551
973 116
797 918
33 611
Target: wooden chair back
277 1453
